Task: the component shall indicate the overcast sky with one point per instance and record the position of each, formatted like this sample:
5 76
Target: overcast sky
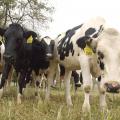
70 13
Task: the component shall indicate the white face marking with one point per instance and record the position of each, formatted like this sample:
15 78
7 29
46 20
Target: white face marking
47 40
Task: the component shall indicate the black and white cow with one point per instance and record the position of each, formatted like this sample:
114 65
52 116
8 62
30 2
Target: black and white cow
73 51
25 53
108 52
2 50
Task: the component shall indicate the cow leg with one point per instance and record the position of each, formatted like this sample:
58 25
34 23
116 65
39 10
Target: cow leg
50 77
94 82
67 87
9 79
5 73
37 80
21 83
101 90
37 87
87 81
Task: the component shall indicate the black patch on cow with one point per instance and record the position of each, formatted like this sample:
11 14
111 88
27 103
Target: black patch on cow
72 52
2 31
75 76
100 30
90 31
101 65
100 55
81 78
66 46
100 58
81 42
39 60
99 78
62 70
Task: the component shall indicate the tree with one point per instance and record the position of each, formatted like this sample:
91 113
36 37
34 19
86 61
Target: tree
35 13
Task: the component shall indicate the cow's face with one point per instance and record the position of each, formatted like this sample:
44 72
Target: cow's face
108 52
13 40
48 47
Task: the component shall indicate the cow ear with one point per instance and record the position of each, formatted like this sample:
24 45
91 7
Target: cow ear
2 31
30 36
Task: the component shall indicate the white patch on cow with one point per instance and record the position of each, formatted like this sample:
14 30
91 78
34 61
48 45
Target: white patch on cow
2 48
47 40
67 87
1 92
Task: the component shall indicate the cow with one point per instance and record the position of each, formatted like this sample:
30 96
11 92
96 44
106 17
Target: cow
73 50
26 54
108 52
2 49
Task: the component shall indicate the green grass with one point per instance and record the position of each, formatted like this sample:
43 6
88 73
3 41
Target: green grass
56 109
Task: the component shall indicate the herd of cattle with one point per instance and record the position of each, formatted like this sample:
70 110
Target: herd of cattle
92 47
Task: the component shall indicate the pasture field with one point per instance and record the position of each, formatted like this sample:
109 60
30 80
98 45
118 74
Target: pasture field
56 109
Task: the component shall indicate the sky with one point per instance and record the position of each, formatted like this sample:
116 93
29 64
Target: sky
70 13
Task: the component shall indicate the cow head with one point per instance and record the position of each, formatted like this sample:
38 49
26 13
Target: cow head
47 46
14 39
108 52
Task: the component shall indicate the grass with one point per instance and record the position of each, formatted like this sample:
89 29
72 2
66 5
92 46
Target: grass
56 109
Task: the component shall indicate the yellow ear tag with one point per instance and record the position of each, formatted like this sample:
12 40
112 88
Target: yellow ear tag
88 50
30 39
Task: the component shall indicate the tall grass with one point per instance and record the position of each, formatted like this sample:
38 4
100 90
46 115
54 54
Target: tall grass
56 109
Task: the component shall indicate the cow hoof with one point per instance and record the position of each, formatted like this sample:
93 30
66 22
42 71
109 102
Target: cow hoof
103 109
69 103
19 99
86 108
1 92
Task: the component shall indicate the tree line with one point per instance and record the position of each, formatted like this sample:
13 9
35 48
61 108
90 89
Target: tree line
32 13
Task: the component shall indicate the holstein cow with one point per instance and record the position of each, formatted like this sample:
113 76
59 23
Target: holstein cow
72 50
25 53
108 52
2 50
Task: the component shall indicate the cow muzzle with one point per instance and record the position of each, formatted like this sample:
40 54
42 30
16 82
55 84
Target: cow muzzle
112 87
